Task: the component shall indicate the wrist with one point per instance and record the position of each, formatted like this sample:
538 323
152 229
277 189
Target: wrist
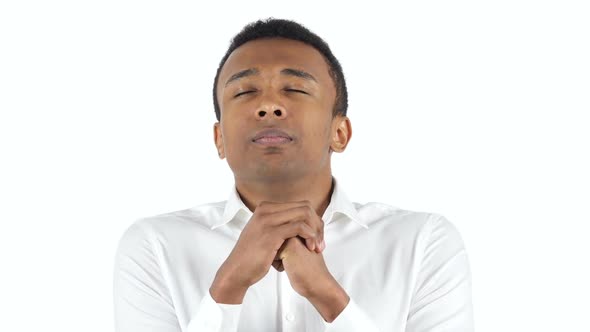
330 300
226 290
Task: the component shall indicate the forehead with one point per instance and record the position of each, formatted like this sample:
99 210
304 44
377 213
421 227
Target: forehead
276 54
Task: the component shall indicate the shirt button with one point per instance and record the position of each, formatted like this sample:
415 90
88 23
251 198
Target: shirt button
290 317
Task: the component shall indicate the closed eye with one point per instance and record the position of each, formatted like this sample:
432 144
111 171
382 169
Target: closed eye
295 90
243 93
251 91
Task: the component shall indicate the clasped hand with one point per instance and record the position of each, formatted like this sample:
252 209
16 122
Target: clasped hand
287 236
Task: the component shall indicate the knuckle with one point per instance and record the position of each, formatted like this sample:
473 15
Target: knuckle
307 230
302 228
307 211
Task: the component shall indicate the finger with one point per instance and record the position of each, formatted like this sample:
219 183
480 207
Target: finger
275 213
272 207
320 244
281 248
300 213
297 228
293 213
310 244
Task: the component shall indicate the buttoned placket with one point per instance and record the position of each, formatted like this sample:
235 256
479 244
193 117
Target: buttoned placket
291 308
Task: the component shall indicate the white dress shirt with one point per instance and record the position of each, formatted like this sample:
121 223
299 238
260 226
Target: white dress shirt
403 271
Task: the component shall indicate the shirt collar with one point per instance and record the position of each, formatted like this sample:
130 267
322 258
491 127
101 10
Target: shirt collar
340 205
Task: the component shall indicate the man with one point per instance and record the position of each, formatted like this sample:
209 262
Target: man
280 99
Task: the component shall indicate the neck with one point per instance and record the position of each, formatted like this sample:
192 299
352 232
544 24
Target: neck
316 188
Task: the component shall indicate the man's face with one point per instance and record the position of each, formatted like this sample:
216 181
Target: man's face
277 84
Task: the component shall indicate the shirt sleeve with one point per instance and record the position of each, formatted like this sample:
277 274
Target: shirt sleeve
142 301
351 319
215 317
442 297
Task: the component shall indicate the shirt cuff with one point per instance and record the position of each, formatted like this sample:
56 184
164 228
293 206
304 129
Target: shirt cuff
351 319
215 317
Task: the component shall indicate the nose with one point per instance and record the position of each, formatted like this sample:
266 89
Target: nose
270 108
278 112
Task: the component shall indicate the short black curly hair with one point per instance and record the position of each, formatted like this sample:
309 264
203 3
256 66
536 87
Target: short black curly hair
280 28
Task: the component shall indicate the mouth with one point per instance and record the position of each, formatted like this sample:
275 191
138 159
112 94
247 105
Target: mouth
272 137
272 140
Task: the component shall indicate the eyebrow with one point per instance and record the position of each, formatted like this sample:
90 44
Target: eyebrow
298 73
286 71
242 74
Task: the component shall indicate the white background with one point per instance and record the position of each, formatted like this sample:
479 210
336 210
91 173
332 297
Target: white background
478 111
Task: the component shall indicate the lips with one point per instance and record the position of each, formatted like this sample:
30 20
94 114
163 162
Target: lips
272 136
272 140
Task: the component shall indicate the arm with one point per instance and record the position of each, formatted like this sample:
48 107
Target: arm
340 312
215 317
220 308
142 301
310 277
442 300
249 261
351 319
442 297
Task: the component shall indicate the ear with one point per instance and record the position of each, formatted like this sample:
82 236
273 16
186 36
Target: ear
341 133
218 138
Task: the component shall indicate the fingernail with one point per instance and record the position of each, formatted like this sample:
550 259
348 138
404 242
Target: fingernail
323 245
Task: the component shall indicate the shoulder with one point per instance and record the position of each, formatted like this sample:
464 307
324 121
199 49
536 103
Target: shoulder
421 226
378 214
147 230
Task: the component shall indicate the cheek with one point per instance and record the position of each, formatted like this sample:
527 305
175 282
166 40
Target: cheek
321 131
317 142
232 137
317 124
